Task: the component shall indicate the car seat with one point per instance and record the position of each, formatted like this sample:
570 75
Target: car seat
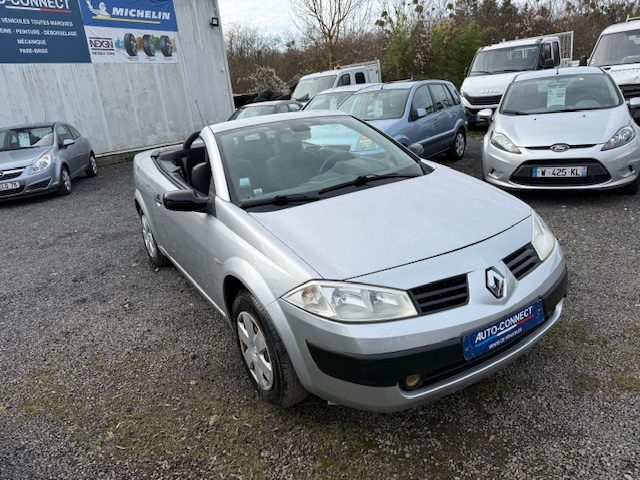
291 166
201 177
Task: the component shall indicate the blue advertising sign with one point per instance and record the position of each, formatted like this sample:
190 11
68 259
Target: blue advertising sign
127 14
42 31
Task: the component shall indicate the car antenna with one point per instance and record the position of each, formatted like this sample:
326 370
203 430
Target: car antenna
200 113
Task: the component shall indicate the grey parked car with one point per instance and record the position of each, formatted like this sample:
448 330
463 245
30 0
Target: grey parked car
350 269
41 158
266 108
428 112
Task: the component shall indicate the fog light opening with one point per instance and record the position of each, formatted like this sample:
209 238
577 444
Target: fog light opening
413 380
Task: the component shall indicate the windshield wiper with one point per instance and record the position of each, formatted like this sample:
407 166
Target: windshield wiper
516 112
507 71
482 71
280 200
363 179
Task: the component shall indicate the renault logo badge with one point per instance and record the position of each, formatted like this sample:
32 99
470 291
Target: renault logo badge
495 283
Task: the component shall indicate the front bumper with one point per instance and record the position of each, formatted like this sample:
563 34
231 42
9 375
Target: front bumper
607 169
362 366
30 185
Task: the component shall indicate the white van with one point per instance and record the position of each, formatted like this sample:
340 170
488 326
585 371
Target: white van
617 52
494 66
314 83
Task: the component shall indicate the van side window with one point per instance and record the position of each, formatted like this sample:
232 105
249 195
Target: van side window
360 78
546 53
556 53
344 80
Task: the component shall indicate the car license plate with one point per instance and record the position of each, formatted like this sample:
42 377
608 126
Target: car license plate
554 172
9 186
503 331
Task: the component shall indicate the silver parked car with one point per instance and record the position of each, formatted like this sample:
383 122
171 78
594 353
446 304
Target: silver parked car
42 158
562 129
350 269
332 98
265 108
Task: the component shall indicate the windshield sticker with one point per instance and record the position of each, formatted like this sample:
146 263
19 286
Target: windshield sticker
556 97
24 140
257 191
244 182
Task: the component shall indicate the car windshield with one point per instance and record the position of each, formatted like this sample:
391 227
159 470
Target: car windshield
377 104
560 93
306 158
500 60
253 111
327 101
309 87
27 137
617 48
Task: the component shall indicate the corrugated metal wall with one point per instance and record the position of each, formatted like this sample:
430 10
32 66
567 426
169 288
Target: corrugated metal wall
128 106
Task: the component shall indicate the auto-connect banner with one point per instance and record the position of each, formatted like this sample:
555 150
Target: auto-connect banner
81 31
42 31
131 31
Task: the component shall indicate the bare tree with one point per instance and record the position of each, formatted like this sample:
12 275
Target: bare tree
325 22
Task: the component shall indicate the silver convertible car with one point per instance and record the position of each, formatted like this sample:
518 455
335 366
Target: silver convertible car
42 158
350 268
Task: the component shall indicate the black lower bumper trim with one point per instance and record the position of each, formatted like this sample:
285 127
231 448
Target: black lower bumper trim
434 362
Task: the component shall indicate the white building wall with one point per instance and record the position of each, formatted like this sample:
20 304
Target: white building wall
121 106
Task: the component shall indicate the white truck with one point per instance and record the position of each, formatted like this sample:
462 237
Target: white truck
494 66
617 52
314 83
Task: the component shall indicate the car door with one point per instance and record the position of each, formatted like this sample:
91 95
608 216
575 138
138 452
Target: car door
443 121
84 147
68 154
421 128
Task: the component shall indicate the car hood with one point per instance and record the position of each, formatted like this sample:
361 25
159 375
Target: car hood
587 127
390 225
21 158
384 125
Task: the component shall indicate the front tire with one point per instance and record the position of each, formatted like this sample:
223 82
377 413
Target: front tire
156 257
459 145
92 168
263 354
65 181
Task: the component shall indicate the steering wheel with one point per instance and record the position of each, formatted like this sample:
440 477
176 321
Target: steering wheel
329 163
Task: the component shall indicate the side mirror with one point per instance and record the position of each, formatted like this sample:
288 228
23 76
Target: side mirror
485 115
583 61
185 201
416 148
67 142
634 102
466 71
421 112
548 63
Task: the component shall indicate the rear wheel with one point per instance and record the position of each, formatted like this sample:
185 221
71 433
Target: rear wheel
92 168
263 354
156 257
65 181
459 145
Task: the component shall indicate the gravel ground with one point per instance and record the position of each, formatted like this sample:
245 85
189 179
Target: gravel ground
111 369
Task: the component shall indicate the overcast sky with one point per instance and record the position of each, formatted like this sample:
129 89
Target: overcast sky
271 16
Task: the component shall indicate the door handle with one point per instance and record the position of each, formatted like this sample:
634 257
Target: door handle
157 199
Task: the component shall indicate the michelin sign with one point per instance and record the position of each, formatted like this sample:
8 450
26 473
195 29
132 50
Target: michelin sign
82 31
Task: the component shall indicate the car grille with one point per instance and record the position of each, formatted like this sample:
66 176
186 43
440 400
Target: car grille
596 173
490 100
630 91
6 193
9 174
548 147
441 295
522 261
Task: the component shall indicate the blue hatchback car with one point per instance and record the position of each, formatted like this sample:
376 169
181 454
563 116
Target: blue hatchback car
428 112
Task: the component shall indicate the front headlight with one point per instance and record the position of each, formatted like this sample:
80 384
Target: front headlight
350 302
502 142
542 238
41 164
622 137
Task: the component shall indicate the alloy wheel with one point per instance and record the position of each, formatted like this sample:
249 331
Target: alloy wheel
147 235
460 144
